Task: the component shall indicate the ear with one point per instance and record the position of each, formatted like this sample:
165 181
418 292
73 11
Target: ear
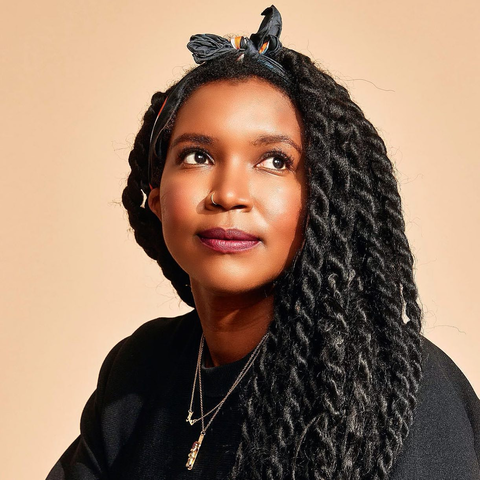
154 202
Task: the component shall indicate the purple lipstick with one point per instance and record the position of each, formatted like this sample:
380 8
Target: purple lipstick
228 241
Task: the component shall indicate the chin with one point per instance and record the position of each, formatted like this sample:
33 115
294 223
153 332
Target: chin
232 285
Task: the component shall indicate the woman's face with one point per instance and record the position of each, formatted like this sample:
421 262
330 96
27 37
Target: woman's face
242 143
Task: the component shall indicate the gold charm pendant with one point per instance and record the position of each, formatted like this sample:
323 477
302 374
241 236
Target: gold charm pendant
192 456
189 418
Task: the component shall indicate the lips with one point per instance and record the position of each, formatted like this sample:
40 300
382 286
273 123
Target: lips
228 241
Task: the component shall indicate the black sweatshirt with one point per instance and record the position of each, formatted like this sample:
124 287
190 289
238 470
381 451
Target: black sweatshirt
134 425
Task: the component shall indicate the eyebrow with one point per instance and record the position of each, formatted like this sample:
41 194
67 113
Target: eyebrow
263 140
269 139
193 137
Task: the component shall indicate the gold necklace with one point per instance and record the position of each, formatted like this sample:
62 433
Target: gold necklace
192 456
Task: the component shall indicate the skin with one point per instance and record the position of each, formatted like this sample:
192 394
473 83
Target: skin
241 141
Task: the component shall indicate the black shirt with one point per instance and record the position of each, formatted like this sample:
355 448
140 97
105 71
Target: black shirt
134 425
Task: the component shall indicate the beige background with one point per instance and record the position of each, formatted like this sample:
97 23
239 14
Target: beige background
76 78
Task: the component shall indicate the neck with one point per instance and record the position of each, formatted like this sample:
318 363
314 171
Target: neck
232 325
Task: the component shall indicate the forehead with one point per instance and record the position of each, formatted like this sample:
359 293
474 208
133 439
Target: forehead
248 106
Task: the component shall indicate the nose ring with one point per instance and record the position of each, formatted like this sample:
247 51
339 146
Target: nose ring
213 201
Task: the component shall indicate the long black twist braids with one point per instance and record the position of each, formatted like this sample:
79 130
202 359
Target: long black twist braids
333 391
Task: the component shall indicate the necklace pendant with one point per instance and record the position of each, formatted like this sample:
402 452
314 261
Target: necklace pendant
192 456
189 418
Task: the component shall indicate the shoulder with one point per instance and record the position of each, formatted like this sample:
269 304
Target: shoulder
163 328
444 440
443 377
155 334
155 343
444 388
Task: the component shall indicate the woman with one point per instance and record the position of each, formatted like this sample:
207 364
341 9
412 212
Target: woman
269 202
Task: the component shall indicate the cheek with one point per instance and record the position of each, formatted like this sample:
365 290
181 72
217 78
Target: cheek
285 214
178 201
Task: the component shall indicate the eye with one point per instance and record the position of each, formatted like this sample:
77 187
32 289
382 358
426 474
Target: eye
276 161
195 157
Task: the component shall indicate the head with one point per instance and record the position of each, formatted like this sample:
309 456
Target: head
342 358
238 142
216 77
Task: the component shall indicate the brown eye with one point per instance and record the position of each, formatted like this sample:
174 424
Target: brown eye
278 163
196 158
275 162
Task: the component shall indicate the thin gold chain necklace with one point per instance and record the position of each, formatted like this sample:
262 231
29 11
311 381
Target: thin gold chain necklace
192 456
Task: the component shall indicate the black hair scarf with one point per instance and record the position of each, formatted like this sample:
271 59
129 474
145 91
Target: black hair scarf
206 47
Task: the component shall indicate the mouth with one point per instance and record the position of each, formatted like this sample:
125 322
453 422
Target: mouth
228 241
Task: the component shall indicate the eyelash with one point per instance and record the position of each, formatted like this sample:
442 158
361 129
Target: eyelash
183 154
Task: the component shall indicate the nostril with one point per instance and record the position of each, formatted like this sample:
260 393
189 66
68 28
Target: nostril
213 201
228 199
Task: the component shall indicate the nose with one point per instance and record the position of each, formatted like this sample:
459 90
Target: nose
231 188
